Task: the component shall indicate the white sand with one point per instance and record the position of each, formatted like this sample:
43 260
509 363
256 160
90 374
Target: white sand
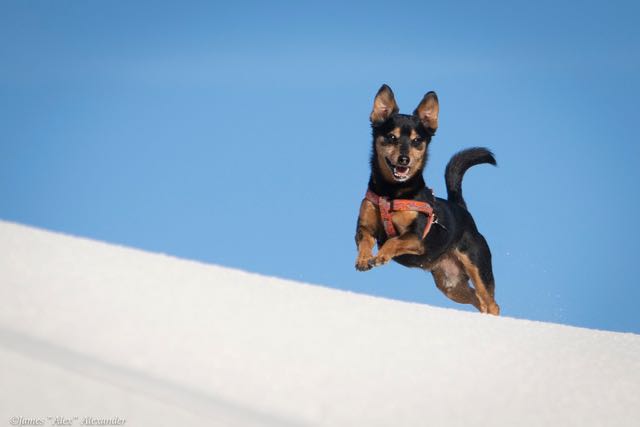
89 329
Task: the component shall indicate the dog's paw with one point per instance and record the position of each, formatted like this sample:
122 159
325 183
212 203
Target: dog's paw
377 261
362 264
494 309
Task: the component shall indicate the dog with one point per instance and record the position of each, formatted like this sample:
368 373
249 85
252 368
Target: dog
409 224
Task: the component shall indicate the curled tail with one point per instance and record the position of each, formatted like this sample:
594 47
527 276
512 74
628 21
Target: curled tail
458 165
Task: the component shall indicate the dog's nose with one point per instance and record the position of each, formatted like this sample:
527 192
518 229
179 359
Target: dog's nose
403 160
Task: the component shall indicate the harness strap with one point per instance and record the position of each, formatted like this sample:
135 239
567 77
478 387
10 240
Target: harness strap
387 206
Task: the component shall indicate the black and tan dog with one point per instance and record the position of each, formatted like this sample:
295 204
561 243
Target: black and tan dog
410 225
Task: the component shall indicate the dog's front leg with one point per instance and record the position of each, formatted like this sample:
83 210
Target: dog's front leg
366 230
407 244
365 242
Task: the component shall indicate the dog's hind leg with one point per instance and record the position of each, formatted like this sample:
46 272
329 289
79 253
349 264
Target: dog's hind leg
453 281
476 260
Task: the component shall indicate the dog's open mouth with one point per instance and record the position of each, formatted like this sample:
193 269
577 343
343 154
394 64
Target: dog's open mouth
400 173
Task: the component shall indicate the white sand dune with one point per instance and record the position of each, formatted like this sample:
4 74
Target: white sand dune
89 329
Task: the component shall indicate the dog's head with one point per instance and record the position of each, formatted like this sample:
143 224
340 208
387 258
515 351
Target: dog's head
399 140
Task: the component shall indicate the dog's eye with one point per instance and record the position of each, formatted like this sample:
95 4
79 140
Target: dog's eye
391 137
416 142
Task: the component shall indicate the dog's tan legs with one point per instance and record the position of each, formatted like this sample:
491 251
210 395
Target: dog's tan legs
403 245
366 242
452 280
484 295
366 229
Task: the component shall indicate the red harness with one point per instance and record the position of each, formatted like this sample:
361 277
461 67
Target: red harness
387 206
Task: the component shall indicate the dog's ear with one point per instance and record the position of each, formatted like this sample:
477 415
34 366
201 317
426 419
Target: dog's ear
384 105
428 109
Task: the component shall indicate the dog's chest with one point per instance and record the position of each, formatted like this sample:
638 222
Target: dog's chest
402 220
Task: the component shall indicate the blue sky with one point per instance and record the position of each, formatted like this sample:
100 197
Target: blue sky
238 134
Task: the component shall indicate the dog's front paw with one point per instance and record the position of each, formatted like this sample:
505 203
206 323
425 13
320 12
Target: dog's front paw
362 264
377 261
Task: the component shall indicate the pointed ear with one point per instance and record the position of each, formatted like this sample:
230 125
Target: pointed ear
428 109
384 105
